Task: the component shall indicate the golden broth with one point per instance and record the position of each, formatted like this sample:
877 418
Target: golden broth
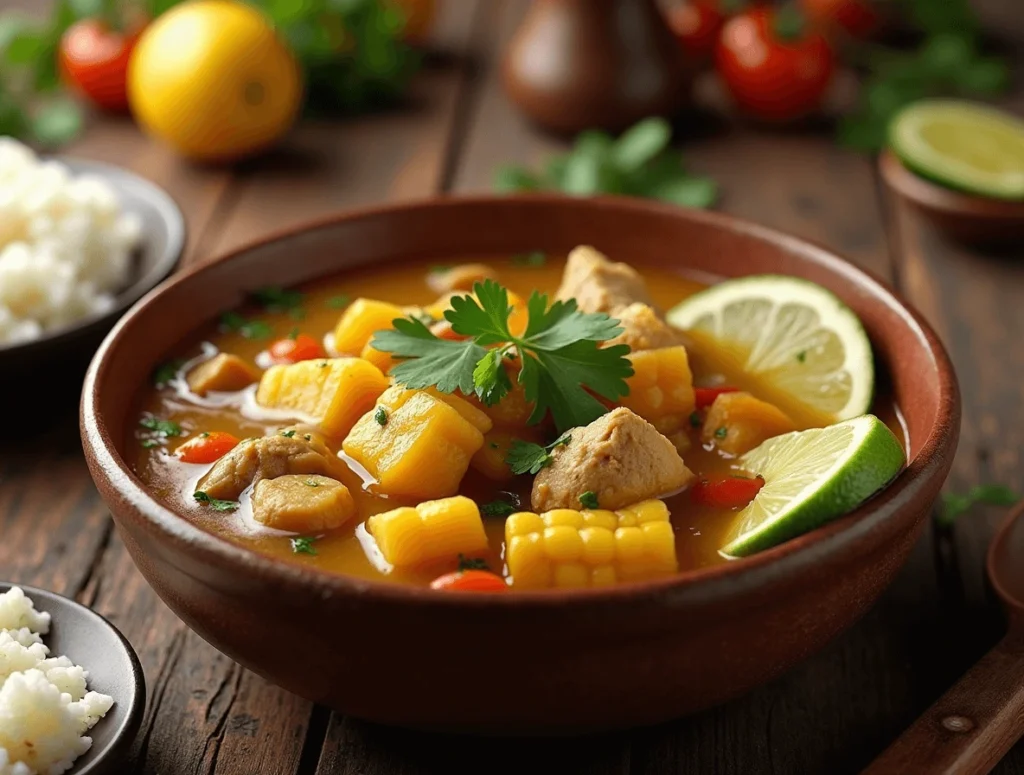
699 530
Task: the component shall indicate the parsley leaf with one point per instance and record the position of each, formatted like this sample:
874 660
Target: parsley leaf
497 508
338 302
303 545
164 428
276 299
955 505
472 563
381 416
232 322
533 258
563 364
165 372
214 503
588 500
527 457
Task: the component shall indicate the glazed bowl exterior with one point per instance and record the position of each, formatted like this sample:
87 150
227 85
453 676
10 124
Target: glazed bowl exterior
567 661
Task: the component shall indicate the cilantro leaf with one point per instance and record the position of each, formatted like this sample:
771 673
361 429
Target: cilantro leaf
955 505
303 545
527 457
485 317
214 503
490 378
167 371
164 428
472 563
276 299
432 362
498 508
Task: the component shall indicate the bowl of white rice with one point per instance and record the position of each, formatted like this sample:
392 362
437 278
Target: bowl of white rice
72 694
80 242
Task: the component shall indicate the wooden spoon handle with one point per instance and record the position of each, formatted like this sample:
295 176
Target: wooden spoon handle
971 727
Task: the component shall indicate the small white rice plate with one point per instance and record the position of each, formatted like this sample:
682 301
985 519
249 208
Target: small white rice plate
45 705
65 245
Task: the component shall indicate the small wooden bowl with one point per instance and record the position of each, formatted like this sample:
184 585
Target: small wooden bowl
966 218
566 661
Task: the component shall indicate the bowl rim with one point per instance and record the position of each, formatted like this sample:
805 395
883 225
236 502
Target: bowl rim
762 570
177 228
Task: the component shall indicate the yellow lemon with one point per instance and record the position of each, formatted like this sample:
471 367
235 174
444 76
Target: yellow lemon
212 79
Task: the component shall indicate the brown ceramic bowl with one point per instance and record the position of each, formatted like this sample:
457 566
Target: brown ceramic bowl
971 220
567 662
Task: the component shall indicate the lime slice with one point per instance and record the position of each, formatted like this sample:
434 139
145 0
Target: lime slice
792 336
963 145
812 477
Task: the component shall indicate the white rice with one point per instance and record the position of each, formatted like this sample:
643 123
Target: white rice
45 705
65 245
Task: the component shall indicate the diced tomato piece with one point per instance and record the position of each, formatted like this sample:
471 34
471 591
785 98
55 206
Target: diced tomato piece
206 447
732 492
470 581
301 348
705 397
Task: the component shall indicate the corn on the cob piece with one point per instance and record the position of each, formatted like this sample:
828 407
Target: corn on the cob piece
417 443
589 548
360 320
334 392
433 530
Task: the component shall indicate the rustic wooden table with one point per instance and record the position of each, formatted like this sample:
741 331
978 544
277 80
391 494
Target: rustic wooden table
832 714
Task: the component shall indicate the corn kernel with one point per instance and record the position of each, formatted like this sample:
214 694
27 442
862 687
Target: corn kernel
434 530
567 548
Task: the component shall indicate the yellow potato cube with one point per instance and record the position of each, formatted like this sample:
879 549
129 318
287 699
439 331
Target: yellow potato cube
661 388
417 443
302 503
223 372
333 392
738 422
434 530
378 358
360 320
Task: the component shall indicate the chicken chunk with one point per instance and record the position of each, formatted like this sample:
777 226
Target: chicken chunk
738 422
642 329
599 285
301 503
223 372
619 457
288 452
459 278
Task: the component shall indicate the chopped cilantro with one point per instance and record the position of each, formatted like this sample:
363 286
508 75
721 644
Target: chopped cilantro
232 322
525 456
164 428
472 563
564 368
533 258
323 365
801 356
214 503
165 372
381 416
294 333
339 302
307 436
303 545
311 483
589 500
721 433
695 420
276 299
439 269
498 508
287 434
150 443
495 445
204 435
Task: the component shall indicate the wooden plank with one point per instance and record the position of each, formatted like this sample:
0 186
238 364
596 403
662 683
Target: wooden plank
835 711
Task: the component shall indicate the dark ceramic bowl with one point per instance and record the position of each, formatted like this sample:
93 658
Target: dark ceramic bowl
89 640
971 220
567 662
69 349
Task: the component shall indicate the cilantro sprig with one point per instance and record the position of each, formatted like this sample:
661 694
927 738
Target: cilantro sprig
563 366
526 457
214 503
957 504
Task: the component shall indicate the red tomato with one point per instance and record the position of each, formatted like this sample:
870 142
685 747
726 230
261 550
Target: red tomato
859 18
705 397
206 447
94 60
301 348
733 492
775 68
470 581
696 24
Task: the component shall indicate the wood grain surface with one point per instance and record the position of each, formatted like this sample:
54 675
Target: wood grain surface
832 714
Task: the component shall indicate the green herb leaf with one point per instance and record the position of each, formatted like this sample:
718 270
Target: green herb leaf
312 483
533 258
490 379
339 302
303 545
433 362
214 503
512 180
380 416
57 122
150 443
165 428
955 505
695 192
695 420
232 322
288 434
641 143
721 433
498 508
526 457
589 500
167 371
471 563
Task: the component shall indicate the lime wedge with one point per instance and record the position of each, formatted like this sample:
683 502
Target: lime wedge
962 145
792 336
812 477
